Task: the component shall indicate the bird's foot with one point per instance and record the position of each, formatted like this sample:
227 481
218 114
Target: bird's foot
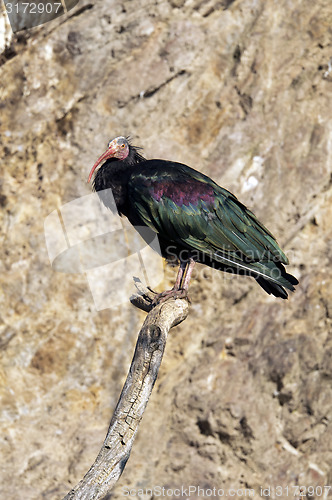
180 293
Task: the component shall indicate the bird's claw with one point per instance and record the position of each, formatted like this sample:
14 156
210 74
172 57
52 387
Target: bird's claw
171 294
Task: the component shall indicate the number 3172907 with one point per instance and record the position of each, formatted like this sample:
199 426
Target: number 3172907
33 8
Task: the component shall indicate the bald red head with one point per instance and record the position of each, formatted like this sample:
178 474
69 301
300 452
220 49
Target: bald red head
117 148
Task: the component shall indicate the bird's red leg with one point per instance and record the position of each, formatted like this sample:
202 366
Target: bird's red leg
183 265
180 288
186 280
177 284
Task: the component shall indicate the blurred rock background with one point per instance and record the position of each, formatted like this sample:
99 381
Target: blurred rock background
242 91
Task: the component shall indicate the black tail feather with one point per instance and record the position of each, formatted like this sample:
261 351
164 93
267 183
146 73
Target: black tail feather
272 288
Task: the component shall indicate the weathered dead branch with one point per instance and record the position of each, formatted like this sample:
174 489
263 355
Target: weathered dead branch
115 451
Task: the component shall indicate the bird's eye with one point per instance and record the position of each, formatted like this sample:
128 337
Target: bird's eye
122 145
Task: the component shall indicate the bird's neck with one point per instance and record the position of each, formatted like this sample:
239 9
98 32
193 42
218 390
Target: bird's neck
114 175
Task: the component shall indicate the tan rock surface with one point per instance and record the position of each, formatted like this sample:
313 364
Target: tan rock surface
242 91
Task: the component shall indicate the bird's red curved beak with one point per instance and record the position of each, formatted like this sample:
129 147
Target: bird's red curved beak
108 154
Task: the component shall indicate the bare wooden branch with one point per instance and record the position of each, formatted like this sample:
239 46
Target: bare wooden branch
135 394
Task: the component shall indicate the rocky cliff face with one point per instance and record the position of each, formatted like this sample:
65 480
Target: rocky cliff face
240 90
